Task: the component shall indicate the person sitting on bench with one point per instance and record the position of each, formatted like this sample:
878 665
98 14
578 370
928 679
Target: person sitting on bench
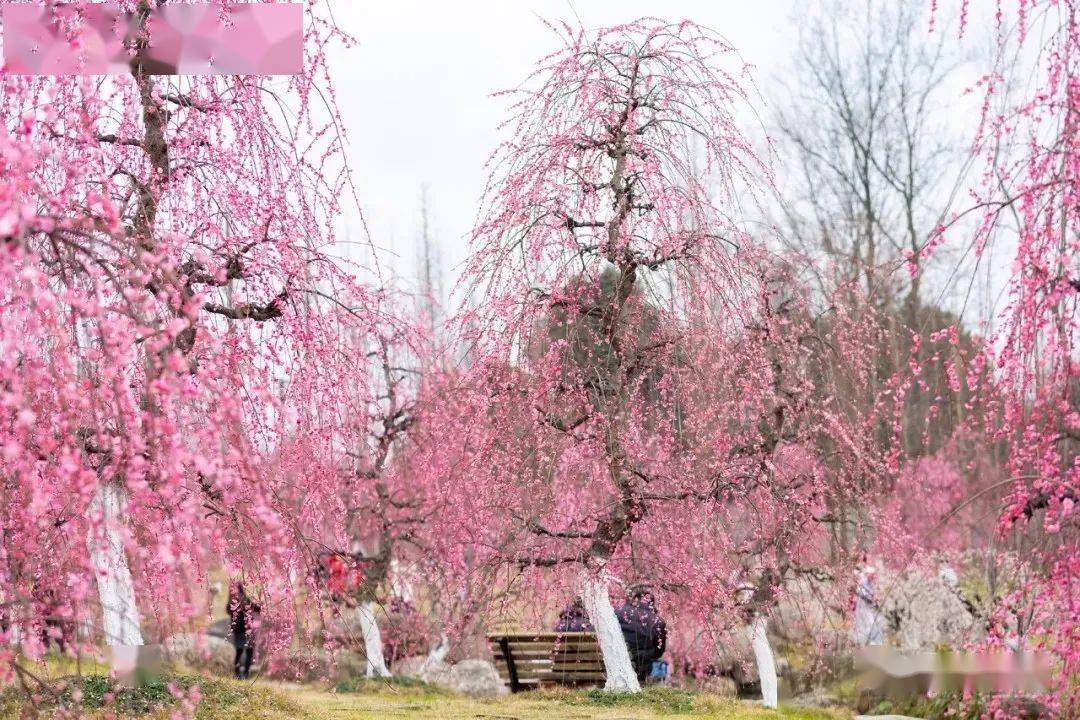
573 618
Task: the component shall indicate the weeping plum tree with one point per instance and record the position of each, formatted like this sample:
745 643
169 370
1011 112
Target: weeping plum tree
389 417
1031 147
381 502
164 276
641 405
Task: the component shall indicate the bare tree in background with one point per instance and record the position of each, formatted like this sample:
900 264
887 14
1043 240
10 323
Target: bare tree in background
429 265
866 134
875 158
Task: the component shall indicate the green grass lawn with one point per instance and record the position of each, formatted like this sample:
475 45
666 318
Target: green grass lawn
374 701
88 689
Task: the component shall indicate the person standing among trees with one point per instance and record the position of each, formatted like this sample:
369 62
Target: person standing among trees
645 631
869 625
52 625
243 617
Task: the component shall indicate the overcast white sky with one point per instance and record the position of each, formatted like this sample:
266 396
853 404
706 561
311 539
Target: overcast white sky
415 93
416 98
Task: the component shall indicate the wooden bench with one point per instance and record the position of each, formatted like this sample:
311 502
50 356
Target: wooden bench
529 660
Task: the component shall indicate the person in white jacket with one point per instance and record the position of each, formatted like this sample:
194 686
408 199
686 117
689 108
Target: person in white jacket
869 628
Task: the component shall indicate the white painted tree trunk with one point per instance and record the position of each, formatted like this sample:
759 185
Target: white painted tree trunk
14 631
763 655
369 628
104 540
438 652
14 637
620 671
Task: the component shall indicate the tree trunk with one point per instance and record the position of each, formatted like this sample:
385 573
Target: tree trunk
763 655
9 616
369 628
119 612
438 652
620 671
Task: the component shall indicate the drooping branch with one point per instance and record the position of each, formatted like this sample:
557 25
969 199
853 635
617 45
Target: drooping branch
251 311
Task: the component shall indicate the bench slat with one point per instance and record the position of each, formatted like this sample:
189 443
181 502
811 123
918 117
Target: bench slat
524 665
574 646
577 638
547 658
578 654
526 673
565 647
523 679
539 671
570 656
543 635
549 674
533 663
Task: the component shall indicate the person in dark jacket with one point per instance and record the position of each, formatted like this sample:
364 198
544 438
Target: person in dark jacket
50 612
243 617
645 631
573 618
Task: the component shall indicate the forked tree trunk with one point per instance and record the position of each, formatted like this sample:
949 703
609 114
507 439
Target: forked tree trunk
369 628
763 656
116 591
620 671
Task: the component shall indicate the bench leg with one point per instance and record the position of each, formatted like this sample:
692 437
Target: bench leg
511 667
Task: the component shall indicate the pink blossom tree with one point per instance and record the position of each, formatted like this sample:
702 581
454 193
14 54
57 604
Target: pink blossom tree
381 501
1031 149
642 403
172 320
